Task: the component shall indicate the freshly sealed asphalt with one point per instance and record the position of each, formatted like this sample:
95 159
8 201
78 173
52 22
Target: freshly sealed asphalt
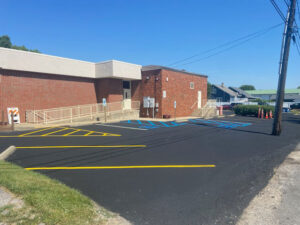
241 149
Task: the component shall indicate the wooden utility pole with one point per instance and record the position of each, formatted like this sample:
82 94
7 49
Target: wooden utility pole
284 57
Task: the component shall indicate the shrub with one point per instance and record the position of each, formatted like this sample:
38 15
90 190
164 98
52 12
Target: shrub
251 110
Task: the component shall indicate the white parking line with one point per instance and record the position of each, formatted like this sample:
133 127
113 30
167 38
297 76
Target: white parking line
133 128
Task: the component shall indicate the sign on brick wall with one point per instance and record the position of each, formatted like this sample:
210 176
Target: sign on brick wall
16 115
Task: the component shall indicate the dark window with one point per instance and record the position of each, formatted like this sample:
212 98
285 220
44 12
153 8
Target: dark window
126 84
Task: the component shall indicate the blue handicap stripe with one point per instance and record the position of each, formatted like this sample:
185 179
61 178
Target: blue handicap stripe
164 124
153 124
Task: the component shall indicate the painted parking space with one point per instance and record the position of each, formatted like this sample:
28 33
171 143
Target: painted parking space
148 124
60 132
219 123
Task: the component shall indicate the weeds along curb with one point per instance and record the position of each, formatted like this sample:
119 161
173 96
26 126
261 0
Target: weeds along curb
7 152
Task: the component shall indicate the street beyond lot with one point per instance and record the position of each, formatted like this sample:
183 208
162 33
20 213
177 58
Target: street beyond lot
194 172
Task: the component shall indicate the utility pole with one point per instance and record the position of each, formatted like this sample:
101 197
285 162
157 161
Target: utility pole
284 57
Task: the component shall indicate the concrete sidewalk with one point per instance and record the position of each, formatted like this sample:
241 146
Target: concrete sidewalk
279 202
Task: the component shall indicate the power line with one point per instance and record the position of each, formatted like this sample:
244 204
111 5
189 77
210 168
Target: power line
297 46
278 10
235 45
223 45
287 4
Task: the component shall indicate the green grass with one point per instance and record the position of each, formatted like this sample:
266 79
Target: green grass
46 200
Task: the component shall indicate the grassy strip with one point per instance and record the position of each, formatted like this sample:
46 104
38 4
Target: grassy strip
46 201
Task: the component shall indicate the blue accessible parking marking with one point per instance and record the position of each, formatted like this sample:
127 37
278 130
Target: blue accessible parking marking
220 124
147 124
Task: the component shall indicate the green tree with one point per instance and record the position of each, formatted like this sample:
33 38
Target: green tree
247 87
298 87
5 41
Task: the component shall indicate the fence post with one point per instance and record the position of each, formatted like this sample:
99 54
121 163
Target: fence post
34 116
105 118
91 112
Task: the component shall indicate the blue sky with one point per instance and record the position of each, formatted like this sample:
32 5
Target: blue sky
157 32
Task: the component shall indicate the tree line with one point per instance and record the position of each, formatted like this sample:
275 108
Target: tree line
5 42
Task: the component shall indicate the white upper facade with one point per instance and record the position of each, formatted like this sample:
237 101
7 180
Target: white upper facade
12 59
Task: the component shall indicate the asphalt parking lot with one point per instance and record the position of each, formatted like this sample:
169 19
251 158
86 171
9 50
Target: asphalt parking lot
193 172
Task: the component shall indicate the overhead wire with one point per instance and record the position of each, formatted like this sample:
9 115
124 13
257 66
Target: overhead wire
235 45
278 10
223 45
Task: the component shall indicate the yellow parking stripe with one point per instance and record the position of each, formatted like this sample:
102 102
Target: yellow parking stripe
48 128
87 134
86 146
71 132
54 132
120 167
98 132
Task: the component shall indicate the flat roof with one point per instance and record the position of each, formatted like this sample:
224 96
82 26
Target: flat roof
157 67
12 59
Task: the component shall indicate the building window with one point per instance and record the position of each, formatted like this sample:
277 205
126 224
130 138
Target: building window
191 85
126 84
164 94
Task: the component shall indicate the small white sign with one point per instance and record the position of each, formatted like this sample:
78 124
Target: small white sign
104 101
16 115
148 102
174 104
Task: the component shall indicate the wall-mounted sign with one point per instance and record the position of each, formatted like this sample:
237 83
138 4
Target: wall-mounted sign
174 104
148 102
104 101
16 115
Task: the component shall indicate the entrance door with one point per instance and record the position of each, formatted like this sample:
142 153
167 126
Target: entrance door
126 95
199 99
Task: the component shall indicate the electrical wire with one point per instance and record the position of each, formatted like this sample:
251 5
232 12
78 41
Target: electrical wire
278 10
297 46
223 45
235 45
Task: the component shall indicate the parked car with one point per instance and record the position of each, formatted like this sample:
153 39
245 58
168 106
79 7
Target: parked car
227 107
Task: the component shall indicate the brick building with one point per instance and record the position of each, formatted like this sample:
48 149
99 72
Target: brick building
167 85
32 81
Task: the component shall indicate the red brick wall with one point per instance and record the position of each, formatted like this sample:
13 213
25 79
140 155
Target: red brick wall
178 89
111 89
27 91
151 87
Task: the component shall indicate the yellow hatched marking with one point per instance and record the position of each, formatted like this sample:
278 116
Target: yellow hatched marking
71 132
87 134
48 128
120 167
86 146
54 132
97 132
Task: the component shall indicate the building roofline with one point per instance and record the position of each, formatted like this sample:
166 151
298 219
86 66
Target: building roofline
157 67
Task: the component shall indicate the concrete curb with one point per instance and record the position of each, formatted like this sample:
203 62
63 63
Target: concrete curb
7 152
